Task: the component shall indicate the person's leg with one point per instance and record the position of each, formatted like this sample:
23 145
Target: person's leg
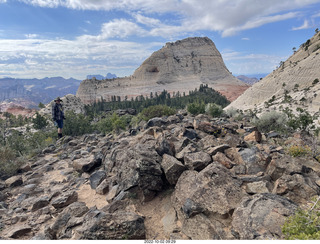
60 125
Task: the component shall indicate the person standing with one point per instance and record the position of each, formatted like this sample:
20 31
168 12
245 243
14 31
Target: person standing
58 115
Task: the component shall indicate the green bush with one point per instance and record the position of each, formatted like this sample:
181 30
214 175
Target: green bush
113 123
76 124
156 111
271 121
196 108
302 121
213 110
304 224
297 151
39 122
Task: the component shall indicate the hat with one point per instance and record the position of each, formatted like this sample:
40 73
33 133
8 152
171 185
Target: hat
58 99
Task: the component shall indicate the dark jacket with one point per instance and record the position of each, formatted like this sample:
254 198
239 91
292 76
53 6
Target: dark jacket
57 112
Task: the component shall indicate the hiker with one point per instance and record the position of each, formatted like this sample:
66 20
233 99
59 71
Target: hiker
58 115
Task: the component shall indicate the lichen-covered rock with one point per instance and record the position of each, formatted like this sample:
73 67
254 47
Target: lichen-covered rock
96 178
136 165
119 225
261 217
197 160
65 199
172 168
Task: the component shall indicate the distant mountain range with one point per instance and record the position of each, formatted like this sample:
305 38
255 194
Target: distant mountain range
101 77
248 80
34 91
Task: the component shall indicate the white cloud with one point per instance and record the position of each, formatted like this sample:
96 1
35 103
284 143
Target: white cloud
3 1
245 39
120 28
305 25
147 20
31 36
42 57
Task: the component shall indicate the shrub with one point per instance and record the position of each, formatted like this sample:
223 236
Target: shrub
304 224
303 121
316 81
231 112
76 124
270 121
156 111
213 110
39 122
297 151
113 123
196 108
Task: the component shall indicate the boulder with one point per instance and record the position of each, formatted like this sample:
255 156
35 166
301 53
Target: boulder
208 128
254 161
221 148
66 220
197 160
156 122
103 187
223 159
261 217
40 202
296 187
137 164
205 200
214 189
257 187
96 178
172 168
65 199
254 136
119 225
19 231
163 146
86 164
14 181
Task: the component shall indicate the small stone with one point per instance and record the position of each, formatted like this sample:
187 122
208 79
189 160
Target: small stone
19 231
96 178
65 200
255 136
14 181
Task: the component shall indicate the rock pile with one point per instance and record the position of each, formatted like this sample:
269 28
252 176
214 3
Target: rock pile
180 177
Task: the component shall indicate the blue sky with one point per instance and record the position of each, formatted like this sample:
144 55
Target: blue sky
74 38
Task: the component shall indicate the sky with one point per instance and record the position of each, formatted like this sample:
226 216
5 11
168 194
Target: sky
76 38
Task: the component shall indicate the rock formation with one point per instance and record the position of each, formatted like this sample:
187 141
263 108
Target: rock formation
70 103
294 84
188 178
181 66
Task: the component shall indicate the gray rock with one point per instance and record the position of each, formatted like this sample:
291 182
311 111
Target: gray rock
40 203
254 162
14 181
156 122
19 231
96 178
261 217
103 187
112 226
220 148
190 134
204 188
172 168
197 160
65 199
257 187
